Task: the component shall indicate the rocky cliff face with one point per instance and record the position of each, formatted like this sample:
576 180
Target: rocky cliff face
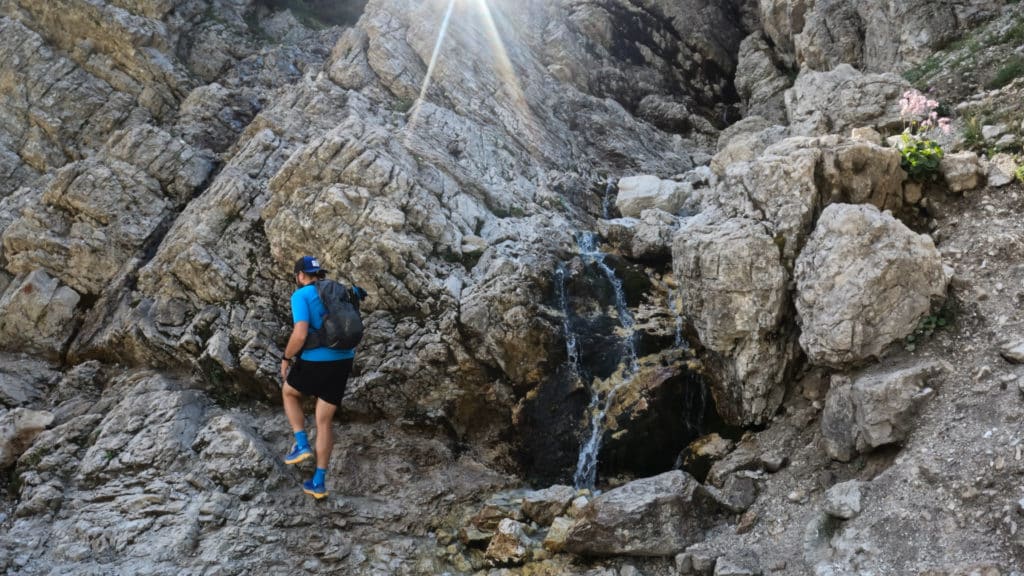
600 227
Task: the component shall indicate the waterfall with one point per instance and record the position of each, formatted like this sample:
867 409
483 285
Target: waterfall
606 205
586 466
571 349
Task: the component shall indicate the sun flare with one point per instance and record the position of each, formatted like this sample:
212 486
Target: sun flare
480 11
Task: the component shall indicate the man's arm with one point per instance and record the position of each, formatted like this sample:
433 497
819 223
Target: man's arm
294 346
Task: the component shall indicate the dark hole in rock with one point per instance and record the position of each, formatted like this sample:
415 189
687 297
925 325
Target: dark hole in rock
651 434
319 13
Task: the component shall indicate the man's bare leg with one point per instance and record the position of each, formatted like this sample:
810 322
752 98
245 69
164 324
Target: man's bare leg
292 400
324 432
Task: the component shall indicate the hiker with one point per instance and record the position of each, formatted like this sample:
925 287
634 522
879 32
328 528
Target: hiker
321 372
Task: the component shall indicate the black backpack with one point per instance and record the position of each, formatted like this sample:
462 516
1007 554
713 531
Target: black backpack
342 327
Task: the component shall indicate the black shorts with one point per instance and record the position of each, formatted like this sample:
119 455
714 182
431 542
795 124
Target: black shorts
324 380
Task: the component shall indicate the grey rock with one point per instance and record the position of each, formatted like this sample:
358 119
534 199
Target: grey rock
36 313
542 506
993 131
843 98
1013 352
18 429
1001 170
838 420
646 517
25 380
745 141
876 408
843 500
759 80
863 281
738 564
639 193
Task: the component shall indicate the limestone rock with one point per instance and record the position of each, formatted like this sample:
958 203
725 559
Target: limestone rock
832 34
1001 170
647 517
745 141
555 539
647 238
875 408
961 171
863 281
25 380
843 98
639 193
510 544
735 289
36 314
18 429
738 564
1013 352
759 80
843 500
542 506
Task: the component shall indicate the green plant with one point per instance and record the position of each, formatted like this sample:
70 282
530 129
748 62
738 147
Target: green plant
927 326
919 156
1019 173
1013 69
973 137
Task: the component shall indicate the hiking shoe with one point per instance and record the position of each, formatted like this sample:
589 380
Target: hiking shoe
317 491
298 455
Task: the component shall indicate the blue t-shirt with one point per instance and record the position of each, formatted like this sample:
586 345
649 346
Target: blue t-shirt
306 307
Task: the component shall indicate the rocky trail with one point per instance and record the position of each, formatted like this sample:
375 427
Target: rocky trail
654 287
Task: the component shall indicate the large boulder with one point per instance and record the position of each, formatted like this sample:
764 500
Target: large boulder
639 193
37 313
655 516
733 283
863 281
875 407
843 98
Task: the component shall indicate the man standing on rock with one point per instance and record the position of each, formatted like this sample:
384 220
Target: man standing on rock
318 372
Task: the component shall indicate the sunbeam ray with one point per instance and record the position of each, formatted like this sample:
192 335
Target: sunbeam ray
415 112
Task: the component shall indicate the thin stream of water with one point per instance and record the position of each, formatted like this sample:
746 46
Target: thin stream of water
586 466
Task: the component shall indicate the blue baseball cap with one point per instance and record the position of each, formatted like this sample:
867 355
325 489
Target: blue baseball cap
308 264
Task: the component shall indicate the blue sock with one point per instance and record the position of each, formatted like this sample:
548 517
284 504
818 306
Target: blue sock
301 440
319 476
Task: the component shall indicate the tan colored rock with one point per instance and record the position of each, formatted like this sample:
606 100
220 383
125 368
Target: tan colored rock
510 544
18 429
735 296
554 541
961 171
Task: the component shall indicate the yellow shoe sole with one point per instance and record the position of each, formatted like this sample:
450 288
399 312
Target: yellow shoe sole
300 458
317 495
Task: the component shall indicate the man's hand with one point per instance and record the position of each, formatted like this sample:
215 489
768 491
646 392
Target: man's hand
285 365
